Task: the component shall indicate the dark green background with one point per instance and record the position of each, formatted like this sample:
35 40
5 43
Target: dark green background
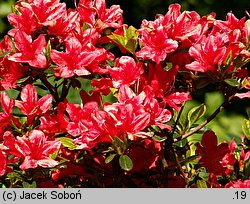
136 10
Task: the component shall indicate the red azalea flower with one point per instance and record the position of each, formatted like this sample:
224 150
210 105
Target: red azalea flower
77 60
125 72
36 150
185 25
213 181
176 100
158 115
20 21
229 159
156 45
211 154
10 72
129 114
31 52
55 122
30 106
208 53
108 18
90 125
102 85
6 116
64 25
86 11
238 184
95 13
148 149
159 79
3 162
47 12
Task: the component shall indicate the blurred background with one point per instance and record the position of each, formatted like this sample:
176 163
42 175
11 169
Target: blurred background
228 124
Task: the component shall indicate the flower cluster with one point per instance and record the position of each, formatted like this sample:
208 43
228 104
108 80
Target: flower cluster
130 86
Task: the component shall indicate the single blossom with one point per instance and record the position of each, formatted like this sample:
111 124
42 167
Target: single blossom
30 105
10 72
156 45
77 59
29 51
95 13
208 53
19 21
36 150
47 12
6 117
125 72
3 162
212 153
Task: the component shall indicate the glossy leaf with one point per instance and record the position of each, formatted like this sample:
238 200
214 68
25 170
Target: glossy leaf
125 162
195 114
246 128
201 184
119 143
68 142
229 58
232 82
159 138
28 185
247 168
128 41
4 54
110 158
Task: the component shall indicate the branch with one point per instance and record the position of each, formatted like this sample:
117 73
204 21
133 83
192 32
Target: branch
196 129
49 87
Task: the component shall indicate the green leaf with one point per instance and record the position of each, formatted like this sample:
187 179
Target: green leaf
48 50
228 59
195 114
246 128
28 185
232 82
181 143
110 158
125 162
24 79
168 66
54 155
159 138
201 184
120 40
189 159
247 168
14 175
4 54
119 143
68 142
129 41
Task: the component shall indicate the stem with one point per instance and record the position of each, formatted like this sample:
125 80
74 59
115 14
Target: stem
49 87
65 89
177 120
179 166
211 117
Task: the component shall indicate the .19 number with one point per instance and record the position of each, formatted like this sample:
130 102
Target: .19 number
240 195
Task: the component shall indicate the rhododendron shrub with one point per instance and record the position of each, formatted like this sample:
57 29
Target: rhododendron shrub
87 101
